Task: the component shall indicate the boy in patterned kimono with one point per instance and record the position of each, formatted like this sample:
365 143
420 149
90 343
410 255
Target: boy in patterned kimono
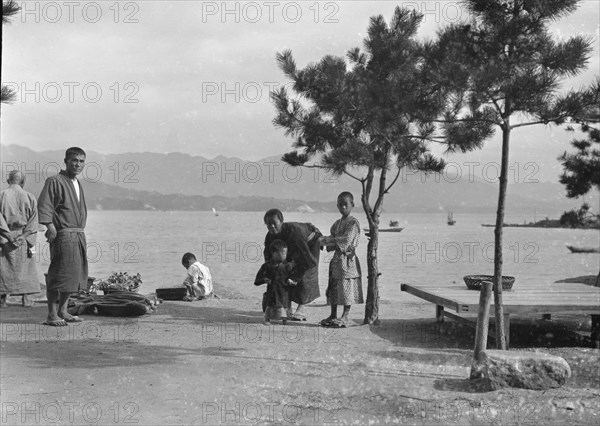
278 274
61 207
345 287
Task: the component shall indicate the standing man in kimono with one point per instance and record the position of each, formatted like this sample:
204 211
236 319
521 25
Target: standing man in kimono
62 209
18 235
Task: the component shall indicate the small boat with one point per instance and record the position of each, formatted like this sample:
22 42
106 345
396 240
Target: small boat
583 249
451 220
215 212
394 227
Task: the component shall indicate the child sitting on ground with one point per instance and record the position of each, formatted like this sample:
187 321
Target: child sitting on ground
198 281
277 273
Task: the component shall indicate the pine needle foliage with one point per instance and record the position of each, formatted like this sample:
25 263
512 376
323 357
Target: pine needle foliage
9 9
505 71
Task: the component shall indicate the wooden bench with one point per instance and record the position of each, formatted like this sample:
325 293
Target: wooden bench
545 299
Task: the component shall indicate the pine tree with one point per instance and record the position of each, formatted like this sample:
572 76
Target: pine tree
582 168
505 71
360 117
9 9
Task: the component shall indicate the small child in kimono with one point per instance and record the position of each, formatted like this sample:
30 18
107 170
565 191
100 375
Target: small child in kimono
345 286
199 280
278 274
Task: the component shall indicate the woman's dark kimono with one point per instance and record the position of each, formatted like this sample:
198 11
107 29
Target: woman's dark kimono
302 241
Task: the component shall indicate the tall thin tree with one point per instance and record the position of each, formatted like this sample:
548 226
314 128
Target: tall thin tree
505 70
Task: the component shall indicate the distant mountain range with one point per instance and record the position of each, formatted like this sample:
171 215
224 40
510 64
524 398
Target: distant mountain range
177 181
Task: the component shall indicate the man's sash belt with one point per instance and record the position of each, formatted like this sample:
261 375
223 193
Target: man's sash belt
70 230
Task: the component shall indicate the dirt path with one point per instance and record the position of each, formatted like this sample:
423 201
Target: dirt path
214 362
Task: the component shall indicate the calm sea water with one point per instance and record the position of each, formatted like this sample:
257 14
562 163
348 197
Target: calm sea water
427 251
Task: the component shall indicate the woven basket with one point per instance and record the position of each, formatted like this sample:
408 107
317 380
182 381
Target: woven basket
474 281
172 293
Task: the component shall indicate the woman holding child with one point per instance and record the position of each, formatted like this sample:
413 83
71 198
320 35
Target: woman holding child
302 240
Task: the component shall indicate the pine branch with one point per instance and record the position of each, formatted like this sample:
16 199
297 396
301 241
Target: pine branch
496 105
465 120
8 95
393 181
9 9
369 186
287 64
346 172
317 166
381 191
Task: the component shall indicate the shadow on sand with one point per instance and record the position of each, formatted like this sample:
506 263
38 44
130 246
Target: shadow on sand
108 342
450 344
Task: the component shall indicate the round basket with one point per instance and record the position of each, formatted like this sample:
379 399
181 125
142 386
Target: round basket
474 281
172 293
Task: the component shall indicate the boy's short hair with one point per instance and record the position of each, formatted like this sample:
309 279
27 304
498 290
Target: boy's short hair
188 258
73 151
348 195
277 245
273 212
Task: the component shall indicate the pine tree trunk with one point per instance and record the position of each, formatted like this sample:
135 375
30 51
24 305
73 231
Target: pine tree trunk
498 233
372 305
373 215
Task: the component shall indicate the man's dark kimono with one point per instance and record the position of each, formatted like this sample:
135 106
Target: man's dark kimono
58 203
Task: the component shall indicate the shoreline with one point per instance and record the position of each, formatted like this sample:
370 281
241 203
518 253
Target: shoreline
537 225
221 291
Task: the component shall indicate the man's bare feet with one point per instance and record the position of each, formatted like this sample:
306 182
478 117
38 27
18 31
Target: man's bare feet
55 322
70 318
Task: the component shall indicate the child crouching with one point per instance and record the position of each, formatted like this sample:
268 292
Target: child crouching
199 280
277 273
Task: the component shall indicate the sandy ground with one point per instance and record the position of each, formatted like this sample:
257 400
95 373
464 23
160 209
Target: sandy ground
214 362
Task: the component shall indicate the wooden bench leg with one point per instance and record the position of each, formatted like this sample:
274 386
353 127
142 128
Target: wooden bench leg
507 329
595 331
439 313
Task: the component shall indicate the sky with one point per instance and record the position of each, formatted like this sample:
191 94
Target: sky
195 76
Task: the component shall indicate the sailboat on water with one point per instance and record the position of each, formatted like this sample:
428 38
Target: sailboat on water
451 220
215 212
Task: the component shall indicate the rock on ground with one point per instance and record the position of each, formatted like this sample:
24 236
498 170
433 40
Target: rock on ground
527 370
